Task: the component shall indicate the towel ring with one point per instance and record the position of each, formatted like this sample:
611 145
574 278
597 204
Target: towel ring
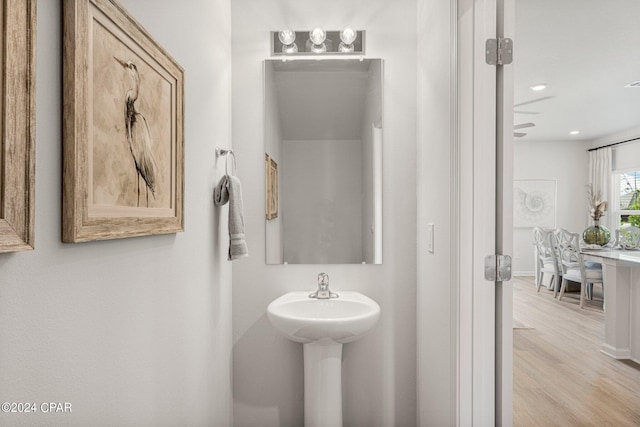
226 153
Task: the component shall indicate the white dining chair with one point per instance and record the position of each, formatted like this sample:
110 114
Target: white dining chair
574 268
546 247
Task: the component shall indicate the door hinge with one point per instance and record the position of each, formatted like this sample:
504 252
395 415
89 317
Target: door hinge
499 51
497 268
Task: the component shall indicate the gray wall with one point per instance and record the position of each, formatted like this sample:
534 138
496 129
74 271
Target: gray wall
372 117
322 182
273 147
137 331
379 376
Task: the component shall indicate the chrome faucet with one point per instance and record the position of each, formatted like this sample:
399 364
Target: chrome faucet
323 291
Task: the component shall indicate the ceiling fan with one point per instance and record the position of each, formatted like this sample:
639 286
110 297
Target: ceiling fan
528 124
522 126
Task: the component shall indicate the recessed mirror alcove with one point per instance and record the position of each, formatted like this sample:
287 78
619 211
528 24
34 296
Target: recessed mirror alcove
323 146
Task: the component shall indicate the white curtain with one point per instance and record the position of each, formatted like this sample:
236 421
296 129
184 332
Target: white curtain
600 177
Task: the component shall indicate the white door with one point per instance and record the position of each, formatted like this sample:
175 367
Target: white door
485 124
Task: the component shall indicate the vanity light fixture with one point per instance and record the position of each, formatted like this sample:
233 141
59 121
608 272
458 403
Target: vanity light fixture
539 87
318 41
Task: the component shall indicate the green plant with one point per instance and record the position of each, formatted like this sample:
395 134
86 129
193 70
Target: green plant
635 206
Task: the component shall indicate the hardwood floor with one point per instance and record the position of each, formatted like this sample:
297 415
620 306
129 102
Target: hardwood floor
560 376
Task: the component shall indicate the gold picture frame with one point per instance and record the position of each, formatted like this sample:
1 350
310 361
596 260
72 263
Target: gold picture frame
123 98
17 149
271 179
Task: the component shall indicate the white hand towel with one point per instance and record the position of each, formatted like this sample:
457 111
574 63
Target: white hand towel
230 190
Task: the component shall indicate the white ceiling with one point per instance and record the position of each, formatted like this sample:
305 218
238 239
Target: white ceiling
586 51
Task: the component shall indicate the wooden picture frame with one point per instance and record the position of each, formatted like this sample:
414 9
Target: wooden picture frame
17 147
123 133
271 179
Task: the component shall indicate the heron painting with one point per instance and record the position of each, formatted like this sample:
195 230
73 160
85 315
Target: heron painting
124 131
138 134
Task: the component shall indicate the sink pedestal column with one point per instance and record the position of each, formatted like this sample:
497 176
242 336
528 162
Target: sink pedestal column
322 384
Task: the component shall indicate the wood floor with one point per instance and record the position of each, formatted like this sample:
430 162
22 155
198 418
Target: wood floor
560 376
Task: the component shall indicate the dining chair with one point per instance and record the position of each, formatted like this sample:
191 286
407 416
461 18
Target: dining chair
574 268
628 237
547 257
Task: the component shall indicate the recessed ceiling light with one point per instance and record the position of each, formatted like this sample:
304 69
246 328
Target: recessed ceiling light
574 132
539 87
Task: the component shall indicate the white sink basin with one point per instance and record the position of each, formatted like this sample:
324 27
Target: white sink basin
323 326
340 320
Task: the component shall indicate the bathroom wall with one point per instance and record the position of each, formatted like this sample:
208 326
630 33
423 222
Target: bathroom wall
371 165
436 303
132 332
379 375
316 195
565 162
273 147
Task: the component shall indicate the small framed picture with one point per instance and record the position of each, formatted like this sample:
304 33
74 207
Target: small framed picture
271 175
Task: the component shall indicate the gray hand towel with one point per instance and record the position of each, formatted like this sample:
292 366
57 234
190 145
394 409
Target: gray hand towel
230 190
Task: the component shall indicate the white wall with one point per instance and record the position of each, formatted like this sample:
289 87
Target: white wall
372 117
615 137
566 162
132 332
436 356
273 147
322 181
379 376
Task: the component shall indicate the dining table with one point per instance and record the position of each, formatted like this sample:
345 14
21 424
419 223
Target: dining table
621 277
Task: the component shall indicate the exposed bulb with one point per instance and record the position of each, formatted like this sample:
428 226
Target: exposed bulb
345 48
287 37
348 35
292 48
321 48
317 36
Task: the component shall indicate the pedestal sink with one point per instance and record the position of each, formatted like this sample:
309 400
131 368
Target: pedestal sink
322 326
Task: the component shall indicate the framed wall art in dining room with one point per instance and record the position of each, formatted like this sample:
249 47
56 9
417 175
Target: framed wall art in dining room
534 203
17 146
123 134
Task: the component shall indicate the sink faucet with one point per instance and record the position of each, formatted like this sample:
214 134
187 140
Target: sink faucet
323 291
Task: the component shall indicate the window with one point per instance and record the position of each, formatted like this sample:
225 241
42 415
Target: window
626 198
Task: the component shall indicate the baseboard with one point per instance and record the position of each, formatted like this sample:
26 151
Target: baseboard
524 273
616 353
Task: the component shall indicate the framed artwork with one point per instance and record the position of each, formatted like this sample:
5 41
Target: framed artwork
534 203
17 148
271 175
123 128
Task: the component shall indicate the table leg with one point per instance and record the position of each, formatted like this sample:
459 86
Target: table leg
617 297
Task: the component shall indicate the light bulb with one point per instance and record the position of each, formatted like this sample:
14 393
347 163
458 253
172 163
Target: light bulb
345 48
292 48
317 36
348 35
287 37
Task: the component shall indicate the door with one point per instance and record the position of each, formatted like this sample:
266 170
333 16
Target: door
485 123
